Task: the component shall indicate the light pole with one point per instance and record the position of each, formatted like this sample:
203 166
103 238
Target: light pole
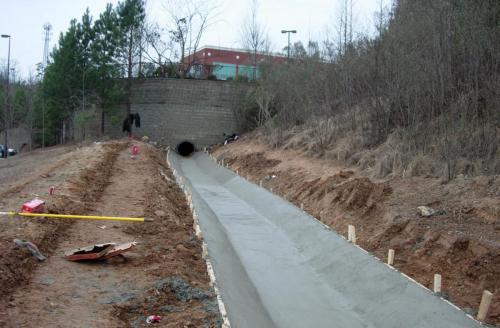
7 111
288 32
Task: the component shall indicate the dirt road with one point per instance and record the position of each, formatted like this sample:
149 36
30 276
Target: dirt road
163 275
462 243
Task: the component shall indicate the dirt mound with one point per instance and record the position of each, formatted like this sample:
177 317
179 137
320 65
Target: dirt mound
252 163
89 186
340 190
359 193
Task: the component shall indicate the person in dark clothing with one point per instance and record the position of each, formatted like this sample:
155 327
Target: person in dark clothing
129 122
127 127
137 119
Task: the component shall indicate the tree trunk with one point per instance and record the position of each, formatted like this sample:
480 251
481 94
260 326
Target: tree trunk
102 122
129 71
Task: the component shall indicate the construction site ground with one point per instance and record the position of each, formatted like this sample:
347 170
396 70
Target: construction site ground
164 274
461 242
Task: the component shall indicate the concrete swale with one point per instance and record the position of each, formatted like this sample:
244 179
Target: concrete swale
276 266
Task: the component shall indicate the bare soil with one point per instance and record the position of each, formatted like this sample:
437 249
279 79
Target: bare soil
462 243
163 275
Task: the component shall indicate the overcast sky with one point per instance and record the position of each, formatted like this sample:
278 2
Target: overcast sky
24 20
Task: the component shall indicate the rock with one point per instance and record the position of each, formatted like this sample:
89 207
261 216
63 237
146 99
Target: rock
470 311
168 308
211 306
117 298
181 248
425 211
145 138
192 241
46 280
160 213
184 292
443 295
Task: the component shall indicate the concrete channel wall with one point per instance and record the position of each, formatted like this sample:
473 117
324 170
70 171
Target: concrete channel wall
278 267
175 110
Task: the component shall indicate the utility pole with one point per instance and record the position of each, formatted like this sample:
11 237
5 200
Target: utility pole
7 109
288 32
46 27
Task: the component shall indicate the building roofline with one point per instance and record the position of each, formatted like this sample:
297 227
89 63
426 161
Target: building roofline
240 50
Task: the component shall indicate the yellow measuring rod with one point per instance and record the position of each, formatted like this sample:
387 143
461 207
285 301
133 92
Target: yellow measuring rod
77 217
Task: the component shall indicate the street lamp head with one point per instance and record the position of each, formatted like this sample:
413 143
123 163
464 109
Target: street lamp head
293 31
5 36
283 31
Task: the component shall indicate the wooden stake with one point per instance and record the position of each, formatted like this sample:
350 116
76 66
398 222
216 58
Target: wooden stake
204 251
351 234
198 233
437 283
302 206
390 257
271 189
260 183
484 306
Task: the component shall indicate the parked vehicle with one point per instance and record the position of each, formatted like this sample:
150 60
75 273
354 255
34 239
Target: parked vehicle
12 151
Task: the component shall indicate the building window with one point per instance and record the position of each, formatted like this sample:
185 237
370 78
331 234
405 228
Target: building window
237 57
209 54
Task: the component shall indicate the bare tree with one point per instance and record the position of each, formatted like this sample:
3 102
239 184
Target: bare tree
159 48
31 84
189 20
429 79
344 25
253 35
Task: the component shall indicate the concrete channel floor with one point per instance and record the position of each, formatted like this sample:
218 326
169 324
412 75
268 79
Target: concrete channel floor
276 266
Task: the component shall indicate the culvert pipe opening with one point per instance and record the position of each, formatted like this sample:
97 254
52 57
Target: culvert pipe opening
185 148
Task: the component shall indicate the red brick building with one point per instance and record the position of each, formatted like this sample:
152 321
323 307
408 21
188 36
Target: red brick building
226 63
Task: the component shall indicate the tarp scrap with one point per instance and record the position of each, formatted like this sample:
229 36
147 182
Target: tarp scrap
31 247
98 251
